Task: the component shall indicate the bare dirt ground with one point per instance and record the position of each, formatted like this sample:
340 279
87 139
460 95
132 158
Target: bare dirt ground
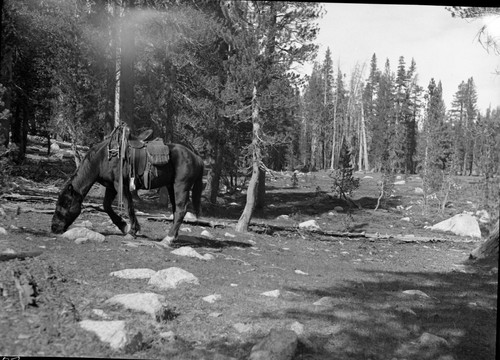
364 312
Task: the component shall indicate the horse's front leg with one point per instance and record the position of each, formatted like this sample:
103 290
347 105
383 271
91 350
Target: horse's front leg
135 226
109 196
181 196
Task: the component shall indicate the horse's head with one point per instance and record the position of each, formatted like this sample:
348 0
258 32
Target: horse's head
68 207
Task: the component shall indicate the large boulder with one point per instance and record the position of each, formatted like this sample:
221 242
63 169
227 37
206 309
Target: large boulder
460 224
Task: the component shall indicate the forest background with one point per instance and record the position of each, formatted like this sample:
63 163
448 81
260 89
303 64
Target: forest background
219 76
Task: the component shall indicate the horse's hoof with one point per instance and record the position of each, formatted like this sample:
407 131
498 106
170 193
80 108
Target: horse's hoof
167 241
126 229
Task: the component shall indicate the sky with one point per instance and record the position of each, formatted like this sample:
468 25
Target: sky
444 48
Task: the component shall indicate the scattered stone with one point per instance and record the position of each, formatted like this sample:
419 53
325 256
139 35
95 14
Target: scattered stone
167 335
431 340
190 217
186 229
100 313
3 231
483 216
242 328
309 225
416 293
399 182
212 298
172 277
141 273
301 272
331 213
206 234
297 328
338 208
190 252
460 224
86 224
81 240
283 217
54 148
273 293
405 219
111 332
149 303
367 177
324 301
81 232
229 235
278 345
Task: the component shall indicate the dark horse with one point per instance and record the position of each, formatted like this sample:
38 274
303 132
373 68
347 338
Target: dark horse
104 163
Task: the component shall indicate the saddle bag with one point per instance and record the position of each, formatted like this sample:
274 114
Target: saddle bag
158 153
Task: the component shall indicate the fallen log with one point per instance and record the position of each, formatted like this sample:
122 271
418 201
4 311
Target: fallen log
210 224
20 255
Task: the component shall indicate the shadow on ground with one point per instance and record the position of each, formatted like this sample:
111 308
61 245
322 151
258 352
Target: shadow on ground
376 320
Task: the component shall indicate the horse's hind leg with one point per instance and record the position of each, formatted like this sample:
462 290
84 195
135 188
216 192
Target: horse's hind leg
181 193
109 196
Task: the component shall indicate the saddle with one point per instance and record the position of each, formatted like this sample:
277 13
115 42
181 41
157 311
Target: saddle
144 156
141 153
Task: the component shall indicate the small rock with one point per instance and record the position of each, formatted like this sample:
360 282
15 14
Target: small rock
229 235
338 208
301 272
331 213
273 293
309 225
81 232
100 313
483 216
324 301
416 293
86 224
432 340
172 277
186 229
190 252
206 234
368 177
215 314
297 328
190 217
3 231
54 148
242 328
212 298
81 240
399 182
283 217
405 219
111 332
149 303
141 273
167 335
278 345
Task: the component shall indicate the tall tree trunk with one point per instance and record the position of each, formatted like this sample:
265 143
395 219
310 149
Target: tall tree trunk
213 176
127 37
5 80
246 216
334 135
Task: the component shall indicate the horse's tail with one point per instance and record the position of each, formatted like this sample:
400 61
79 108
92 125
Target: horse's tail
196 192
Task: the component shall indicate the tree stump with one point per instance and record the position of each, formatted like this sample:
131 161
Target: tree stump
488 249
